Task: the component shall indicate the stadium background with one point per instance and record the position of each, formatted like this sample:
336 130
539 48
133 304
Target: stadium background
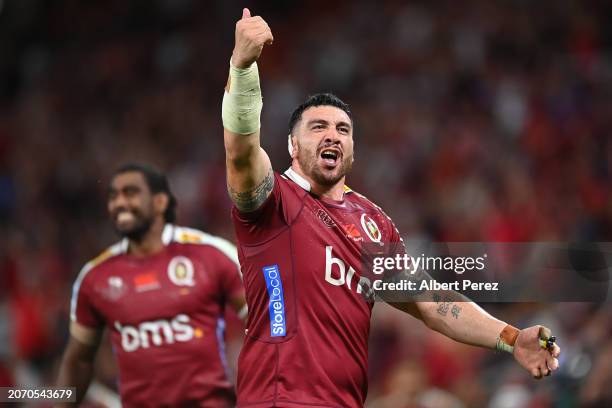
478 121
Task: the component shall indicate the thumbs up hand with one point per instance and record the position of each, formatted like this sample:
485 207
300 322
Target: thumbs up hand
252 33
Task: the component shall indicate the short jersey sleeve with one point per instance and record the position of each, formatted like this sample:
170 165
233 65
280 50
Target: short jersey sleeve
276 213
231 281
82 309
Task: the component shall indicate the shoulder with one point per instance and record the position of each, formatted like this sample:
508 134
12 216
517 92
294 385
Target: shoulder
371 209
362 201
100 261
191 236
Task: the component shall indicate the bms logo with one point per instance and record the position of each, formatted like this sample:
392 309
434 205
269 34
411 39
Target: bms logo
337 275
156 333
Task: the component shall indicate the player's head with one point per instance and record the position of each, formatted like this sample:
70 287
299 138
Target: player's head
138 196
321 138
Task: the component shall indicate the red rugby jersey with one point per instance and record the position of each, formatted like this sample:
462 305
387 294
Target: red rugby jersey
165 316
308 327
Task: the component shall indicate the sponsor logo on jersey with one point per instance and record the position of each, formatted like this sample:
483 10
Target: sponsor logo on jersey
352 232
146 281
370 228
115 289
278 326
156 333
325 218
180 271
337 274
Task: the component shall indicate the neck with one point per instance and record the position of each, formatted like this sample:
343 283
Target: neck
333 192
151 242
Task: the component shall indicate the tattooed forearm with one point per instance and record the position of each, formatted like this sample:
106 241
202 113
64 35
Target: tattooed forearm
252 199
445 305
455 311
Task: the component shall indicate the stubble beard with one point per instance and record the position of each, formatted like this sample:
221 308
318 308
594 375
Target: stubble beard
308 163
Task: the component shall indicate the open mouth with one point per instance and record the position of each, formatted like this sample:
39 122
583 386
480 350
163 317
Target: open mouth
330 156
124 217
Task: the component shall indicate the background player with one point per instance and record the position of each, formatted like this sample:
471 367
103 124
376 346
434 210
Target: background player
299 237
161 291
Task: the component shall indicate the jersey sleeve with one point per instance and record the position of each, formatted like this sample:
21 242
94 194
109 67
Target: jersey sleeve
82 309
276 213
398 247
230 279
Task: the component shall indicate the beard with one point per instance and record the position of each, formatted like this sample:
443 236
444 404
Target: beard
311 166
137 230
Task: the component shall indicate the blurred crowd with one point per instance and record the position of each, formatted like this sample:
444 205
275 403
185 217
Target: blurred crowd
474 121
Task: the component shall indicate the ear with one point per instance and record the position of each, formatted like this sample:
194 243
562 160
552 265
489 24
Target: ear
160 203
292 146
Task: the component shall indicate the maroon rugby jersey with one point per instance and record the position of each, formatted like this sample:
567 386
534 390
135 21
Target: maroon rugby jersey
308 327
165 315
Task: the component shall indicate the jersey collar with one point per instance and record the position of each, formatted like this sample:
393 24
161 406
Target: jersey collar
167 237
168 234
297 179
302 182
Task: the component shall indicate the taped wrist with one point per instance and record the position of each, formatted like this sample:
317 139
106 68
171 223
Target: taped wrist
507 339
242 101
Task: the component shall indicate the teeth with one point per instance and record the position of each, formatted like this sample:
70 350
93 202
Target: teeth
328 154
125 216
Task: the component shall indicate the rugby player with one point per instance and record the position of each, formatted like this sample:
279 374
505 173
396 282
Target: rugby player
299 237
161 291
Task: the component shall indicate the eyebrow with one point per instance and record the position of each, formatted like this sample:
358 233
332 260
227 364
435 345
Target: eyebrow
324 122
112 189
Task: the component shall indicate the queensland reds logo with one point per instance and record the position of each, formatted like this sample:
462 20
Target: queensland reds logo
180 271
370 228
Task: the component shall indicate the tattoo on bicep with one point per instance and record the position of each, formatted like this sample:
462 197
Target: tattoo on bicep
252 199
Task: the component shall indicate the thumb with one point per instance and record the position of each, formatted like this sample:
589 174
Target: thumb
246 13
544 333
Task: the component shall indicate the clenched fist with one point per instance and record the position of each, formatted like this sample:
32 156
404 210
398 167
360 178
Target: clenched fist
252 33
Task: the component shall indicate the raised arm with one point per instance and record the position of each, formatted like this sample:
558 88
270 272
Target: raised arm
249 172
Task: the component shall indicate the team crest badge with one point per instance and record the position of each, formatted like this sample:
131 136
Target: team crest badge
180 271
370 228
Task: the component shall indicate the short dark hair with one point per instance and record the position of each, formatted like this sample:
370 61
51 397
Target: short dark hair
320 99
157 182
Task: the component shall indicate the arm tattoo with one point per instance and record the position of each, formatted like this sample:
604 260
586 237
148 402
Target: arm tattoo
446 305
252 199
455 311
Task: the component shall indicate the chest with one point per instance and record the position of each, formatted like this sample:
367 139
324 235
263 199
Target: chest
347 227
136 290
329 247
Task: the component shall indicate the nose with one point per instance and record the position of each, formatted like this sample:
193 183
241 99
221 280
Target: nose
118 201
331 137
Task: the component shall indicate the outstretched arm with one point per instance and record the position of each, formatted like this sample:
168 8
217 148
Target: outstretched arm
455 316
249 172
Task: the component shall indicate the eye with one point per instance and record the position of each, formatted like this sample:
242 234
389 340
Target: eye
130 191
318 126
343 130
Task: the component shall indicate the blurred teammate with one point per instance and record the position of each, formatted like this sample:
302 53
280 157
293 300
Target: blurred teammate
300 235
161 291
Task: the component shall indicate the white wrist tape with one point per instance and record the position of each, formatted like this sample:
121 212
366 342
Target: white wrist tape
242 102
